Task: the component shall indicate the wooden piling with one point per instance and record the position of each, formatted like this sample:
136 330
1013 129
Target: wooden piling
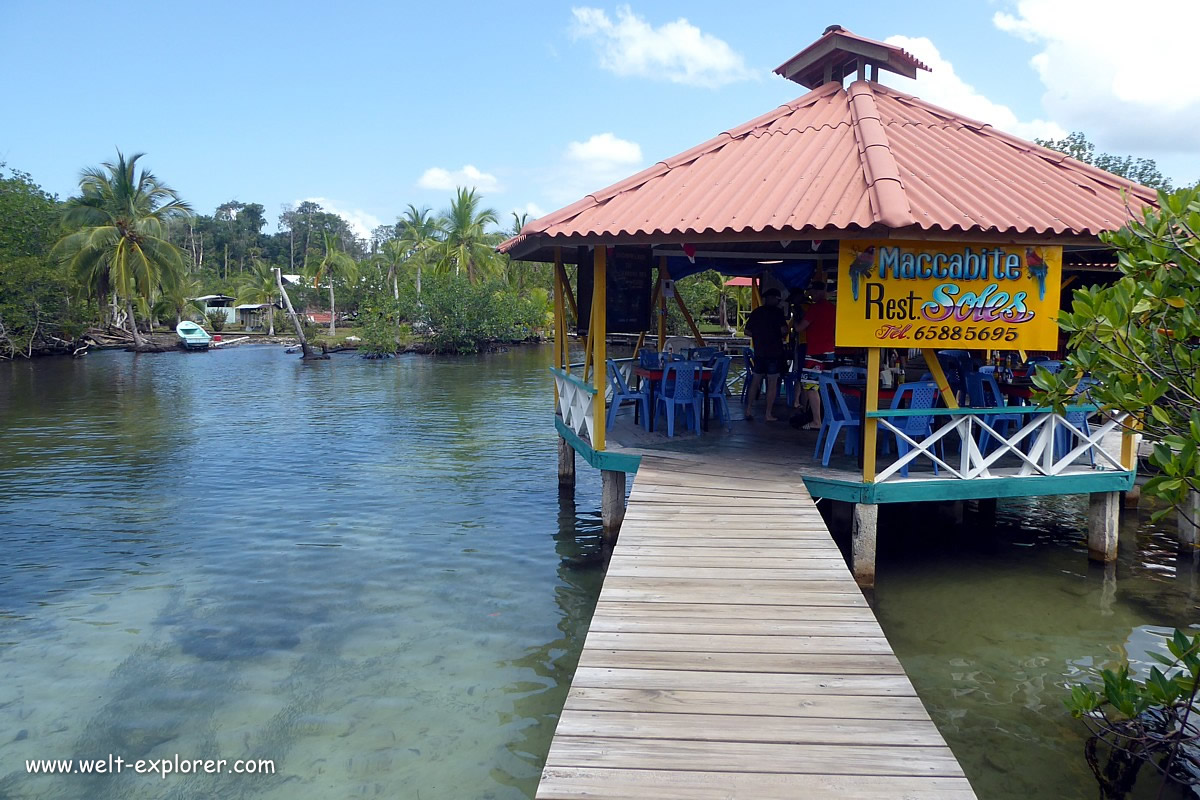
612 501
566 464
862 543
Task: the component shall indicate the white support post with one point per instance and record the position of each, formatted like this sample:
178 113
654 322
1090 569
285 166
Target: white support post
1104 517
862 543
1189 520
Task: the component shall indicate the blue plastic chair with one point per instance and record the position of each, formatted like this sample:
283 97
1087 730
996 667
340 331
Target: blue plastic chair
1064 438
915 396
748 375
622 394
681 387
835 416
851 374
648 358
984 392
717 390
702 354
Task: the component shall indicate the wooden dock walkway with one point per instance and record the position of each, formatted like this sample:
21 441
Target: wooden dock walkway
732 655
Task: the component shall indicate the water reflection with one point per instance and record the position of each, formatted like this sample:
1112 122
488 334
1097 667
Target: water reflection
993 625
340 566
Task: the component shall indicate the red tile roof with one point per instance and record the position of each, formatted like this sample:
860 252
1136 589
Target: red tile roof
836 160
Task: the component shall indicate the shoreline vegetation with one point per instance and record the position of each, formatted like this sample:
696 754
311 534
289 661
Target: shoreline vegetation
127 256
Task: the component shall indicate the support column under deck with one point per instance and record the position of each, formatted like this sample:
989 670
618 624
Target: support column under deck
862 543
612 500
566 464
1104 517
1188 520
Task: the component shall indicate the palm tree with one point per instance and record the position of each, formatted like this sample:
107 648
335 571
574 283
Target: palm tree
119 244
259 287
419 233
178 300
467 244
391 256
336 265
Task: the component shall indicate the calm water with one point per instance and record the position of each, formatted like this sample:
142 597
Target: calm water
364 571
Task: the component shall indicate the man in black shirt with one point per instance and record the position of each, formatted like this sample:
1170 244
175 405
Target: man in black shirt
766 326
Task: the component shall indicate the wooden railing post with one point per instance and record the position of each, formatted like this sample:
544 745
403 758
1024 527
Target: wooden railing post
871 423
598 335
560 328
663 274
935 369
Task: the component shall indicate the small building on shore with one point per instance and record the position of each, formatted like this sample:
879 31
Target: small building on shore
219 303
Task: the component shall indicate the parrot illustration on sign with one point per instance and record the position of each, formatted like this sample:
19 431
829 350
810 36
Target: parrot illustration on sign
1037 268
861 267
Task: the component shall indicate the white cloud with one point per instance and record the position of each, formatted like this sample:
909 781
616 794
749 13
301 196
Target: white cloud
361 222
675 51
532 209
1116 70
943 87
587 166
469 176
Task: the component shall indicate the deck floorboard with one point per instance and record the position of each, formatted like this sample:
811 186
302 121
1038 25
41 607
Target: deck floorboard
732 655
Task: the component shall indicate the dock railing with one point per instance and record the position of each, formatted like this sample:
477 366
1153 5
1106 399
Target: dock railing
1033 443
577 397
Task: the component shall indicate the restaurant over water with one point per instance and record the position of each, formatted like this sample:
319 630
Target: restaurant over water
948 247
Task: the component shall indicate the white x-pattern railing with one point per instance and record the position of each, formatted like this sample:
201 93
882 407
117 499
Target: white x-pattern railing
1033 443
576 401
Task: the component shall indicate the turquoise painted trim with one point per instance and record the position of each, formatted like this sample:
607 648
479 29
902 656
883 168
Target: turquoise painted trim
1028 486
615 462
569 378
846 491
973 412
980 488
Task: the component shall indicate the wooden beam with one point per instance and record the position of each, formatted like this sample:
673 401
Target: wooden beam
872 424
560 331
663 274
1129 440
562 275
935 368
598 336
653 302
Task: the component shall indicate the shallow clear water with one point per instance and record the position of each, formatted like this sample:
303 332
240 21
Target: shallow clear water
364 571
994 621
359 569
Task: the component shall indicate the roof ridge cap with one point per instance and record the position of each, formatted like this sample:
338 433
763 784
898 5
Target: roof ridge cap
885 188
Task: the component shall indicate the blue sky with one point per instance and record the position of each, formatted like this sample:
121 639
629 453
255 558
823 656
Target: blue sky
368 106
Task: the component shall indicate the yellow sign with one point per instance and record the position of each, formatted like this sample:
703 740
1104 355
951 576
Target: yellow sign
948 295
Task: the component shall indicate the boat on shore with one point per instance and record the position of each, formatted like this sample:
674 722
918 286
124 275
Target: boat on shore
192 336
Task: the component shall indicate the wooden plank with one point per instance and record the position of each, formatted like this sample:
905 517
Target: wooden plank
570 751
748 587
704 611
740 556
717 624
813 565
623 568
759 542
741 728
735 643
803 663
586 783
731 682
759 704
706 594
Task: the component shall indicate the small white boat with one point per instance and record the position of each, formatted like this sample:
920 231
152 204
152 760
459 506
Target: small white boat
193 336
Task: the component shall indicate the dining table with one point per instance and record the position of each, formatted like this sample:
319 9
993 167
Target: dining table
653 377
859 390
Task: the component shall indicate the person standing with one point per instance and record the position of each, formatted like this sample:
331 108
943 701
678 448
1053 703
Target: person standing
767 326
819 321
